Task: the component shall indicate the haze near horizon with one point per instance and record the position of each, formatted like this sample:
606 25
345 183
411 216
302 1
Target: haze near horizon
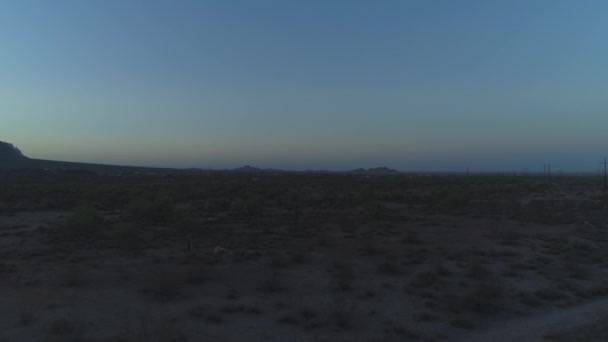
416 85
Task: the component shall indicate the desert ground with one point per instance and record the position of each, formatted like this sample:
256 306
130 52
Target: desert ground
303 257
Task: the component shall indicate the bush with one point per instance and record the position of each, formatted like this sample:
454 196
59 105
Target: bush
375 210
127 235
484 298
550 294
343 275
85 220
164 285
62 327
424 278
161 209
249 207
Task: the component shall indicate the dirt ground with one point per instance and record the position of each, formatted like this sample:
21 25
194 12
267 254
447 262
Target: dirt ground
422 259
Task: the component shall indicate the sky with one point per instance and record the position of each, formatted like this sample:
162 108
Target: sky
427 85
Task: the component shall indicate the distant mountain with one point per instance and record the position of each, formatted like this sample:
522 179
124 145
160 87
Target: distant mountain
318 171
247 169
10 152
252 169
371 172
12 158
375 171
382 171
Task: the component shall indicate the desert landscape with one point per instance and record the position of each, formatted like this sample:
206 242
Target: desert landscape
303 171
227 256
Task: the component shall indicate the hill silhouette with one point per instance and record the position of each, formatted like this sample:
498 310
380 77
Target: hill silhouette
10 152
12 158
383 170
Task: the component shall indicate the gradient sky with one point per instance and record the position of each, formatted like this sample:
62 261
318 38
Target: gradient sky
413 85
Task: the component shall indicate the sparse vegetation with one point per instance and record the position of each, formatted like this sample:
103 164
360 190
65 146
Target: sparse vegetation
85 221
222 250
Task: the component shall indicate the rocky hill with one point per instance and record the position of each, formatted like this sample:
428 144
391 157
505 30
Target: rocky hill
10 152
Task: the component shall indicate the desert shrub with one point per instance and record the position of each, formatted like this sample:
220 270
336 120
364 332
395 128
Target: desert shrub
272 284
388 266
477 270
74 276
307 312
340 315
453 199
27 317
85 220
161 209
214 318
348 225
600 289
550 294
155 330
510 238
364 195
139 207
62 327
213 205
164 285
126 234
288 318
411 238
461 322
577 270
528 299
343 275
278 261
197 274
184 225
375 210
425 316
248 207
424 278
484 298
442 269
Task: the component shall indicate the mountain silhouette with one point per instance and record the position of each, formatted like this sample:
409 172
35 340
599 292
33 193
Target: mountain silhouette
10 152
383 170
12 158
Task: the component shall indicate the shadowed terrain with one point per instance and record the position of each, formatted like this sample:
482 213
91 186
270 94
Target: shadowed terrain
273 257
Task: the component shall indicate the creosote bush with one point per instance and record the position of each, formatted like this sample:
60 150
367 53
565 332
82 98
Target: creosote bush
161 209
126 234
252 207
424 278
85 220
375 210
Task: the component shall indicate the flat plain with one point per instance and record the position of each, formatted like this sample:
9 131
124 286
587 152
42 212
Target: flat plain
302 257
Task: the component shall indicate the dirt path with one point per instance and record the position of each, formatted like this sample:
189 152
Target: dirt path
535 328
